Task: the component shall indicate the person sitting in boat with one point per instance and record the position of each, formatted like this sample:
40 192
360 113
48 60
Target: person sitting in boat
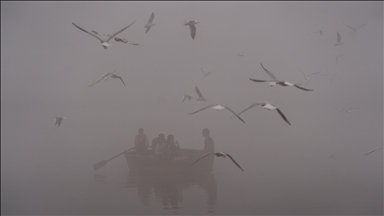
157 140
172 146
158 144
209 146
141 142
161 149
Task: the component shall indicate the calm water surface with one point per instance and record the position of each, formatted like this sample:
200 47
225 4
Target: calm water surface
271 186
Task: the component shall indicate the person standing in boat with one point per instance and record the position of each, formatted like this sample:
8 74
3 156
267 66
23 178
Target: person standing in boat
141 142
209 146
172 146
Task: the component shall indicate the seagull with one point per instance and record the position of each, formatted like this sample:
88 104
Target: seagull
354 29
320 32
218 107
104 77
220 154
117 39
338 39
192 26
149 24
117 77
337 58
58 120
241 54
347 110
275 81
267 106
201 98
312 75
205 74
373 150
187 96
104 43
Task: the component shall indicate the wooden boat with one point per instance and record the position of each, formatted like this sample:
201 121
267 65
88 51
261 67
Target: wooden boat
179 163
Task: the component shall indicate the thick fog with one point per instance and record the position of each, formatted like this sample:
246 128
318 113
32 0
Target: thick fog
47 65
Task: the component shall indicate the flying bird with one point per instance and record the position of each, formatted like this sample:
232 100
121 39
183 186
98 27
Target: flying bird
117 39
338 39
104 43
241 54
333 156
201 98
103 77
337 58
373 150
275 81
117 77
219 154
192 27
205 74
347 110
354 29
320 31
149 24
58 120
308 78
267 106
218 107
187 96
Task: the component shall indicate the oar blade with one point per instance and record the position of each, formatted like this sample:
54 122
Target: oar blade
99 165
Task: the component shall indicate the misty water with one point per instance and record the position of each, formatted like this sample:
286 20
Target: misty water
320 164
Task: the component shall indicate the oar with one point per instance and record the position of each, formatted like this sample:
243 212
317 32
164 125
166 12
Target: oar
104 162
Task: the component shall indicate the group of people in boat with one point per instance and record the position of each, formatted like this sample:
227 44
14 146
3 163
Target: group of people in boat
169 147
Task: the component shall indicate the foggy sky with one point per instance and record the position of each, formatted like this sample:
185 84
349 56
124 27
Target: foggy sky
47 65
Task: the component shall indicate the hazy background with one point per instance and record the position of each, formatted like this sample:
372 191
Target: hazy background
47 65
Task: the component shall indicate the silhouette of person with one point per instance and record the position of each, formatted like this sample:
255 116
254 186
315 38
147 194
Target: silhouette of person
209 146
172 146
159 145
141 142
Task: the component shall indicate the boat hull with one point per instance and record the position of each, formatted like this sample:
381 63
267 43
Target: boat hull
180 163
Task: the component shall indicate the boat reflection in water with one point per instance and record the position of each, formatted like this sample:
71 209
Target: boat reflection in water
168 187
166 178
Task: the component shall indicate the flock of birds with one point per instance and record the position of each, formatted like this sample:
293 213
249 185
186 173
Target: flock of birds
273 81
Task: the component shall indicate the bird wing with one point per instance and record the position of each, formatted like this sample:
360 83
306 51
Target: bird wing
233 160
283 116
193 31
350 27
149 27
338 37
151 18
253 105
112 36
302 88
133 43
202 157
234 114
206 107
59 122
101 78
198 92
301 72
120 79
87 32
184 97
255 80
269 73
373 151
361 25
